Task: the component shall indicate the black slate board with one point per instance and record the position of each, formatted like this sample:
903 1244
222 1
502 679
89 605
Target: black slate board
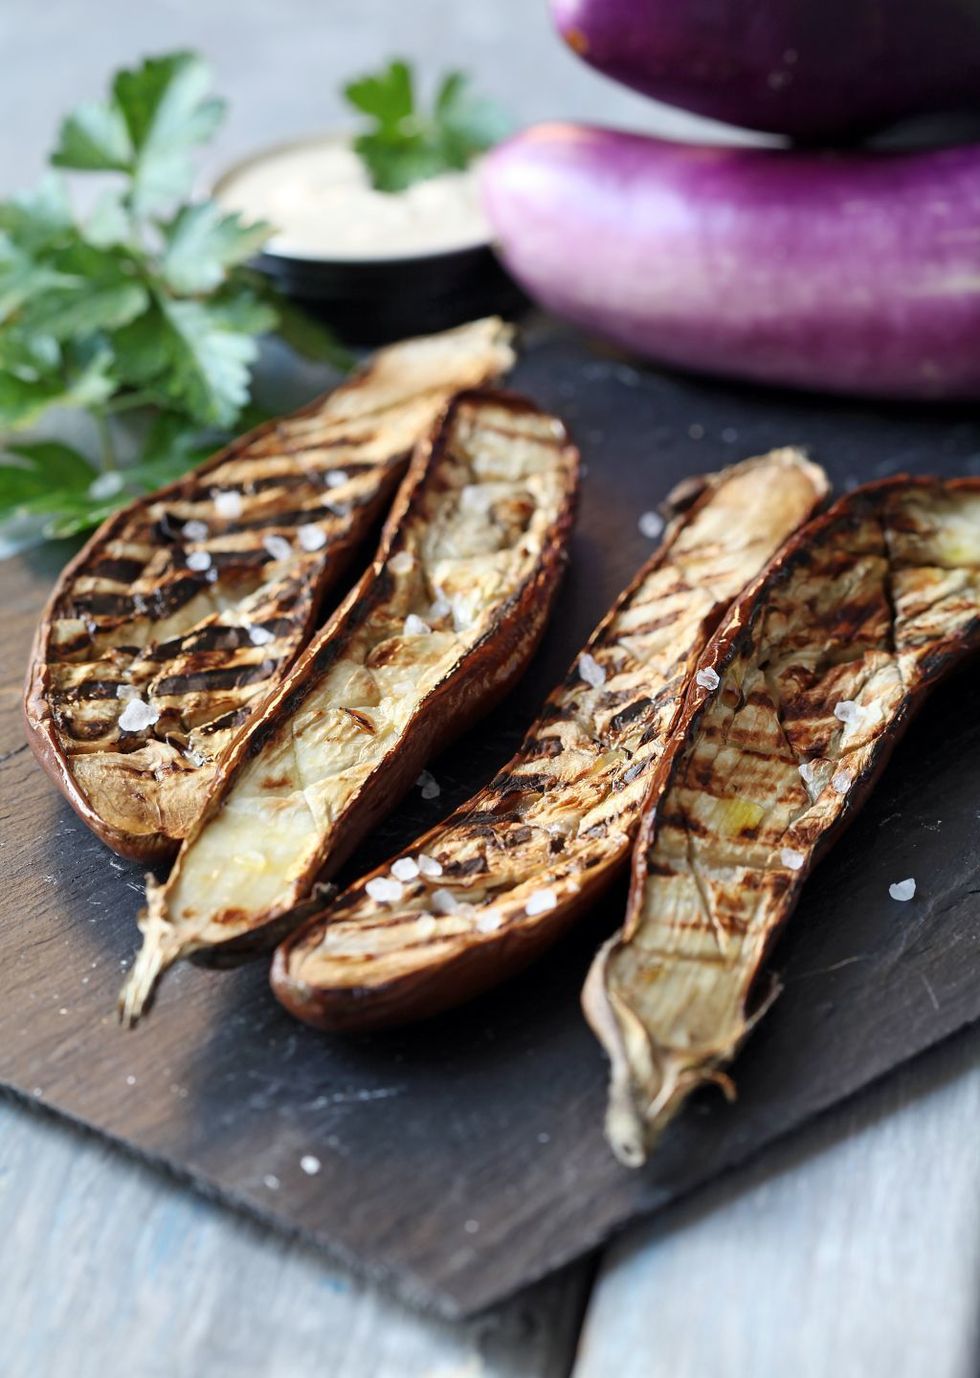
465 1158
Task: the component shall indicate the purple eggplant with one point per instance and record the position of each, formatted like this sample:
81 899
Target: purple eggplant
853 273
807 68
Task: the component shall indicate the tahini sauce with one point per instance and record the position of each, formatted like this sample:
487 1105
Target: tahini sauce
320 199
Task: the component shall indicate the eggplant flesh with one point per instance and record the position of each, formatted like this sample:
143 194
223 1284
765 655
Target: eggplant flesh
435 632
185 609
489 888
819 668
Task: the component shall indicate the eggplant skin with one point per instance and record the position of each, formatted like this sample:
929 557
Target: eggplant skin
557 821
129 615
847 273
812 69
820 667
437 630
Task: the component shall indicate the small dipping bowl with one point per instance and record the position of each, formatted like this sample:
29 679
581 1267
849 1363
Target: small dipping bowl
367 297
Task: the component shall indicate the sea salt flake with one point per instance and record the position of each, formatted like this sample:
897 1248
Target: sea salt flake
137 716
271 1181
384 890
902 889
277 546
591 671
426 926
651 525
336 478
309 1164
401 563
414 626
808 774
842 781
429 785
792 859
195 530
708 678
260 636
429 866
540 902
847 711
444 902
199 560
405 868
228 505
471 1226
489 921
311 537
440 607
127 692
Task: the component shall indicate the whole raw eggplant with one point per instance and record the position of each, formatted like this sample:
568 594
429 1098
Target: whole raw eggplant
807 68
847 273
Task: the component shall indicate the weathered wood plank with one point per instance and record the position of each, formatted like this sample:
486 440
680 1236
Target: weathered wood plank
854 1249
109 1268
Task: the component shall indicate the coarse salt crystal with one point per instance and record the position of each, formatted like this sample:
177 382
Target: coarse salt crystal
137 715
309 1164
195 530
127 691
591 671
228 505
651 525
401 563
842 781
311 537
277 546
271 1181
384 890
336 478
489 921
429 866
429 785
708 679
199 560
444 902
792 859
902 890
425 926
440 607
414 626
808 774
405 868
260 636
540 902
847 711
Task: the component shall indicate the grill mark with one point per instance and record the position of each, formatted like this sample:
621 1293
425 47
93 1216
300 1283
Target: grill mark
225 722
87 690
362 721
630 714
117 569
233 677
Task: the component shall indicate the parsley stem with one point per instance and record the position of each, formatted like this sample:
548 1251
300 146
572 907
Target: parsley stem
126 401
106 448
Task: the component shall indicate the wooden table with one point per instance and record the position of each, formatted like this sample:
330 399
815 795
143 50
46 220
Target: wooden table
853 1248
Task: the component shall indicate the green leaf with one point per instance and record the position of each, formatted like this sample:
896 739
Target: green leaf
36 220
406 144
202 242
94 139
306 336
109 224
166 112
210 364
386 95
96 290
22 276
59 465
87 383
239 307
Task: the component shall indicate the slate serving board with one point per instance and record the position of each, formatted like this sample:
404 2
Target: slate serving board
462 1159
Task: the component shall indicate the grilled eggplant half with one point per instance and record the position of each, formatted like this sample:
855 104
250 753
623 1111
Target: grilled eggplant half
186 608
436 631
480 895
797 703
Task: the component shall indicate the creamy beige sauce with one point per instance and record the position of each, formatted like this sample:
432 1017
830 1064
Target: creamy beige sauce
319 197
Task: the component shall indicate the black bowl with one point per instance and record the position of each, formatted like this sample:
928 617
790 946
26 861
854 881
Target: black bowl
373 301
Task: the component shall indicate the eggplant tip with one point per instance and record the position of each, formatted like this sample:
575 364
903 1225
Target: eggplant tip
152 960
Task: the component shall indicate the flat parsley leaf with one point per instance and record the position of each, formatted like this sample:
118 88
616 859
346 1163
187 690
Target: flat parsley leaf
406 144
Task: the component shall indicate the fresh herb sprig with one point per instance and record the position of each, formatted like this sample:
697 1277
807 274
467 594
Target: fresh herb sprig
407 144
146 307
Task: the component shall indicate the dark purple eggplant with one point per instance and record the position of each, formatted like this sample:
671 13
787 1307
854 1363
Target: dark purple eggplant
808 68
